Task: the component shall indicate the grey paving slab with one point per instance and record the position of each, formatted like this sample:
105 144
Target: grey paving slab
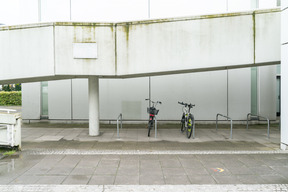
226 179
151 179
25 179
197 171
128 171
77 180
127 180
170 163
201 179
63 170
102 180
55 180
83 171
106 170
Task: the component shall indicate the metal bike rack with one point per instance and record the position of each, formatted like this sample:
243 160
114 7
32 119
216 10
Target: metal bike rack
228 118
8 110
119 118
268 122
155 122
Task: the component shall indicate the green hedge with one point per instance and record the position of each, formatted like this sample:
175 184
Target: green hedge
10 98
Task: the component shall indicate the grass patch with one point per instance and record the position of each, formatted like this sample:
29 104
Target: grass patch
9 152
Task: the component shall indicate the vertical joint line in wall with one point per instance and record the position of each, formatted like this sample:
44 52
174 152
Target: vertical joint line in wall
149 91
258 91
54 59
71 99
115 36
227 94
254 37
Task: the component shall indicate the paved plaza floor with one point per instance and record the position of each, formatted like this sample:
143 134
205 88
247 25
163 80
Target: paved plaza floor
55 158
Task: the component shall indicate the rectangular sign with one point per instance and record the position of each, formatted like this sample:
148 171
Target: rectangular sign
85 50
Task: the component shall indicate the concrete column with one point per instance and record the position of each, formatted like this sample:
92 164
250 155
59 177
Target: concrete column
93 106
284 75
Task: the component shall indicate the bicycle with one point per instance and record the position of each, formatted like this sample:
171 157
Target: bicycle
187 120
152 112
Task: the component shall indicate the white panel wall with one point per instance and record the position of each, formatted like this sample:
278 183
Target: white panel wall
27 52
59 99
268 37
125 96
207 90
267 92
239 93
31 100
284 75
80 108
192 43
101 34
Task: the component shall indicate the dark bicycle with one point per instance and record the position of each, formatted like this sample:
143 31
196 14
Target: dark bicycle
152 112
187 120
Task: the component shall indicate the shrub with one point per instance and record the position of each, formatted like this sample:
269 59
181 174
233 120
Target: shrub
10 98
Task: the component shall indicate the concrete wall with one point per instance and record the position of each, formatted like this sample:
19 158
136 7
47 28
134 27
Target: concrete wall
46 51
101 34
31 100
190 44
284 76
59 99
26 52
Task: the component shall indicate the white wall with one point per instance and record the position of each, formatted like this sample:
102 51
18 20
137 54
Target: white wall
80 99
207 90
284 76
125 96
31 100
188 43
59 99
239 93
192 43
26 52
213 92
267 92
267 37
44 52
68 33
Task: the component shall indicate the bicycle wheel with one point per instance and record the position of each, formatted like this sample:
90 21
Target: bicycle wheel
150 125
183 124
190 126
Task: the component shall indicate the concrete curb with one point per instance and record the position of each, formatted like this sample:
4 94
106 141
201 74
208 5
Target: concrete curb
133 188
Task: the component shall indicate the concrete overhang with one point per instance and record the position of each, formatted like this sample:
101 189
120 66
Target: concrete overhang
65 50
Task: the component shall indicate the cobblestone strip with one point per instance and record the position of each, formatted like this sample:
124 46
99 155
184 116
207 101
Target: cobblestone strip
141 152
134 188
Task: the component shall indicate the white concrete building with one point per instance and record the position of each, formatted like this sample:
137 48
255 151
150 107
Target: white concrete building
224 63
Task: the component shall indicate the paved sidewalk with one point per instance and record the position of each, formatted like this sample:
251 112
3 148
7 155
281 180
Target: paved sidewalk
53 159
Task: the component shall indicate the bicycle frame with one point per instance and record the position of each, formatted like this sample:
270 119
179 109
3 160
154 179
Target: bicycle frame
152 113
187 120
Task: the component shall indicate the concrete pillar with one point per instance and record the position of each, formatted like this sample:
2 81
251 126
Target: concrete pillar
284 75
93 106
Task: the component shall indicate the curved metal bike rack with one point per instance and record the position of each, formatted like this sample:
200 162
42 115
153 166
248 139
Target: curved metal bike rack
228 118
268 122
119 118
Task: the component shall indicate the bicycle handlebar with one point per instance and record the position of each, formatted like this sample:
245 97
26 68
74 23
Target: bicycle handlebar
186 104
154 101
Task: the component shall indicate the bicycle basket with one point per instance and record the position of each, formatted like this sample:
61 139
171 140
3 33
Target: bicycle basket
152 110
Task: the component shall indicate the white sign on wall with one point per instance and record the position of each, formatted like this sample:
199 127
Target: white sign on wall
85 50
